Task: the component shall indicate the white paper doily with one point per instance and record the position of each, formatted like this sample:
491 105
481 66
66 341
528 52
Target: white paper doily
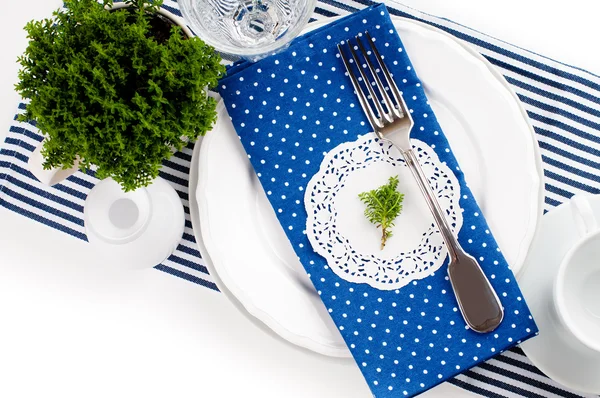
338 230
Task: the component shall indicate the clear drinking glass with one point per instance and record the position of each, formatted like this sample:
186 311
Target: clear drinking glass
251 29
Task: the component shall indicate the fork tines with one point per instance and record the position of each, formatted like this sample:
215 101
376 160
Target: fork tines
387 109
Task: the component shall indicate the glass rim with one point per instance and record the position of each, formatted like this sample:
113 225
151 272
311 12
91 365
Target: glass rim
249 52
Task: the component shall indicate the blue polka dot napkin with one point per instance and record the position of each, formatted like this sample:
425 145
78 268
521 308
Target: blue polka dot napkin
293 108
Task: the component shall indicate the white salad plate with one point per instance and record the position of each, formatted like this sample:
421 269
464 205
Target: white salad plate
557 351
246 250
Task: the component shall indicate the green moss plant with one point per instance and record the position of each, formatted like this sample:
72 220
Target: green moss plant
119 90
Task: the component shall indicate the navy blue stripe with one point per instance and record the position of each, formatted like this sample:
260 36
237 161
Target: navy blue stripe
567 141
176 166
14 154
189 250
17 168
337 4
551 202
191 144
524 379
22 144
187 277
183 156
189 264
81 181
26 132
172 178
89 172
541 79
570 169
558 191
42 206
40 192
501 384
568 181
41 219
475 389
557 111
518 364
564 126
188 224
325 13
183 196
552 96
518 350
60 187
70 191
568 155
172 10
190 238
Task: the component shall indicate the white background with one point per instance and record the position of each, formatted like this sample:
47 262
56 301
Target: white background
71 327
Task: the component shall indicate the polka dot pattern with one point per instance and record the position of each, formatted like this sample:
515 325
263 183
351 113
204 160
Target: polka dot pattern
290 110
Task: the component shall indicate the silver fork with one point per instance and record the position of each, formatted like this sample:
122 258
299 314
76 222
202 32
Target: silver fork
392 122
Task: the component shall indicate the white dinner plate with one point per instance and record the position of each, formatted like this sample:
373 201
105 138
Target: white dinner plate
254 264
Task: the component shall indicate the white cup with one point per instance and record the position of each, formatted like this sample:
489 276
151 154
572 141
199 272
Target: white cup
576 290
137 229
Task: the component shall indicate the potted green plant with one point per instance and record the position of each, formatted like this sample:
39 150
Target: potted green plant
117 87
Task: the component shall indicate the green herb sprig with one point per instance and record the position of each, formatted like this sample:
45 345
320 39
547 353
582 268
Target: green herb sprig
116 89
384 204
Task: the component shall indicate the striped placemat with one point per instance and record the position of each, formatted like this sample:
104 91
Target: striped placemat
563 103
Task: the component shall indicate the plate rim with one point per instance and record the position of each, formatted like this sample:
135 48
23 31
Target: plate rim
265 321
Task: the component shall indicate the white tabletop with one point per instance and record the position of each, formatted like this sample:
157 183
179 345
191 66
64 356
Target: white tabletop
70 326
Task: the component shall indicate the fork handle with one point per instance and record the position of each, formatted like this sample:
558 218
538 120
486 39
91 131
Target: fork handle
478 302
413 164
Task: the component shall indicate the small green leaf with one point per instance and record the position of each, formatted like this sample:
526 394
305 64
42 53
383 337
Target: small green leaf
384 204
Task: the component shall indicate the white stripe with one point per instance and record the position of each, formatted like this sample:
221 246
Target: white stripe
550 89
191 245
513 382
560 105
542 139
178 174
564 120
531 375
552 196
536 71
593 171
52 204
562 131
188 270
189 257
485 386
332 9
42 213
83 176
573 151
584 180
564 186
179 161
66 183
